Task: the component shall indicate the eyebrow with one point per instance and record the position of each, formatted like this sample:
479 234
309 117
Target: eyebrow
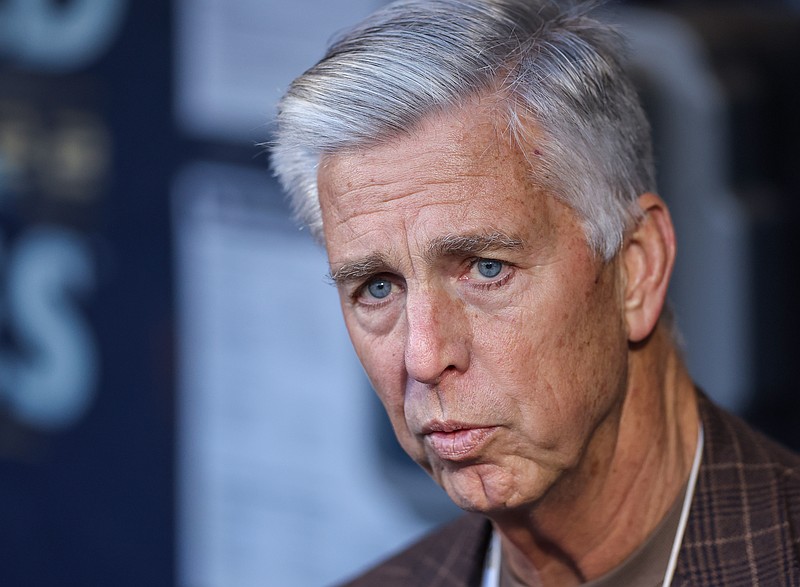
451 245
359 270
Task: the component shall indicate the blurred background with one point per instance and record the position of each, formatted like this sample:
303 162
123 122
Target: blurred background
179 404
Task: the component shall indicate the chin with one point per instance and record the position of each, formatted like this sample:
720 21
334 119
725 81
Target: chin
486 489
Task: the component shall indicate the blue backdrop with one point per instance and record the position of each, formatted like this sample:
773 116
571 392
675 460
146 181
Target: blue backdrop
171 358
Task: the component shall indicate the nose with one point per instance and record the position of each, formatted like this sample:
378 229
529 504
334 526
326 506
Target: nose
437 339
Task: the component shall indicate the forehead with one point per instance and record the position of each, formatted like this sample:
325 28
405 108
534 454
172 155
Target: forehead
456 172
472 136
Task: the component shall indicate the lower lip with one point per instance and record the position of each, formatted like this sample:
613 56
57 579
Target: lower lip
459 445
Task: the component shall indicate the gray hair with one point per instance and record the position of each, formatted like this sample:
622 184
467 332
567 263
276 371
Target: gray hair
555 70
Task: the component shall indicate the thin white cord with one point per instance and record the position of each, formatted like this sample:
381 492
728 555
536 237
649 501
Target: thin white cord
687 505
491 568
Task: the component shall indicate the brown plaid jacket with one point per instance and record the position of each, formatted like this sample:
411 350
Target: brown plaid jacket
743 529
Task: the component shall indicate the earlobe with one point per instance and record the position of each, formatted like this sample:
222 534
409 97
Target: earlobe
648 256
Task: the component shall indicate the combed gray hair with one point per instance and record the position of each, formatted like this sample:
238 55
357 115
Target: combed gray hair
555 70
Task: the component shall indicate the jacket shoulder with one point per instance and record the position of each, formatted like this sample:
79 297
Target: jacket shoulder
733 444
451 555
744 525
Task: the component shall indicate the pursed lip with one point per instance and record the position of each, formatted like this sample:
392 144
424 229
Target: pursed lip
456 441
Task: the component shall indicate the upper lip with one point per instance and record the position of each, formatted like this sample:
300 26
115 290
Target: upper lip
448 426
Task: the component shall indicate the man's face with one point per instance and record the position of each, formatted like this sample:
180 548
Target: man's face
492 334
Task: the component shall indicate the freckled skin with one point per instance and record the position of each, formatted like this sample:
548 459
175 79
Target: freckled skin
542 357
581 399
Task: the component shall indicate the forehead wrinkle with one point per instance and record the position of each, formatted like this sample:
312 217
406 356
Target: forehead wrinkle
347 205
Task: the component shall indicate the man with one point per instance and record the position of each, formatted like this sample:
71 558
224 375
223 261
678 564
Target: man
480 173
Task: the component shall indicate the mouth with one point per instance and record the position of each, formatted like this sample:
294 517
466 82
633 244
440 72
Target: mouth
451 441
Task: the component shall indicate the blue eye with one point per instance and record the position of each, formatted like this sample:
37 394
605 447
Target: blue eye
489 267
379 288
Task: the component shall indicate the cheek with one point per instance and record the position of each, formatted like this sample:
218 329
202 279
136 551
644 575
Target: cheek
587 355
382 359
384 365
564 355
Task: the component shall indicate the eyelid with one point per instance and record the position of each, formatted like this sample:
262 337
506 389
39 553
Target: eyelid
473 262
500 279
358 292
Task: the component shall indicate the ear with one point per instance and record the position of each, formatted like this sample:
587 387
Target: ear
647 259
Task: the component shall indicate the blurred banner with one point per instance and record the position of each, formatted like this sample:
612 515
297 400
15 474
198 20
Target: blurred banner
86 414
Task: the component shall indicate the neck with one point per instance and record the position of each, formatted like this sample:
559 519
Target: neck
601 511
